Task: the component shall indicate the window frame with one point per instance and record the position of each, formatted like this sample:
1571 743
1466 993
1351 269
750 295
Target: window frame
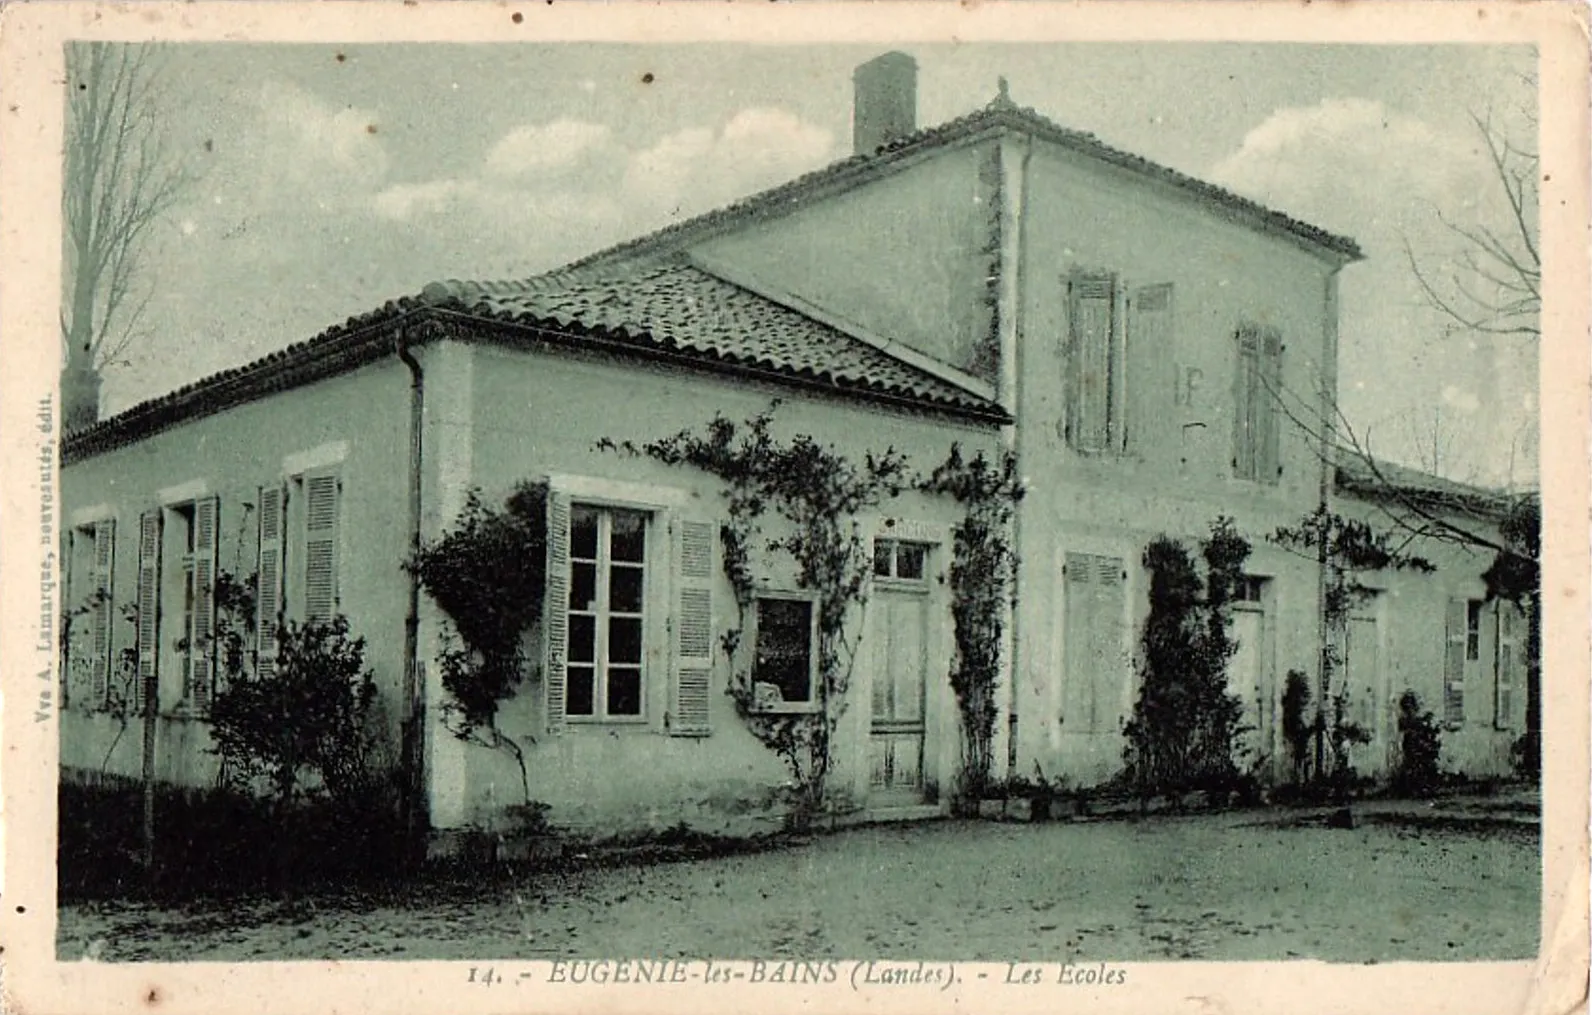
809 597
599 664
179 577
894 579
1115 391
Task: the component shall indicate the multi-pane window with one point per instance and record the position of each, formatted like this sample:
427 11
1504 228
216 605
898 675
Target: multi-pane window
607 612
899 559
784 657
1473 613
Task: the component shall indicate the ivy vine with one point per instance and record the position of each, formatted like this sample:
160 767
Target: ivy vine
487 573
982 574
1347 548
819 493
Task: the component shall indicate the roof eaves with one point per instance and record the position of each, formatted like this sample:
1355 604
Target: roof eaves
508 328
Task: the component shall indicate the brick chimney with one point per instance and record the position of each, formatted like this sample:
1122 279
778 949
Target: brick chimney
885 101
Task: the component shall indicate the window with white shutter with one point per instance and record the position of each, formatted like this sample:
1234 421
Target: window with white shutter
201 633
102 614
148 612
555 611
268 578
319 493
1149 377
1508 674
1456 633
694 575
1093 630
1257 416
1094 388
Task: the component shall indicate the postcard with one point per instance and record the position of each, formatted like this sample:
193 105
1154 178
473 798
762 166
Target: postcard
539 507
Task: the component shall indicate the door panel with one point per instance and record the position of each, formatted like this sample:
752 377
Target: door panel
900 666
1246 676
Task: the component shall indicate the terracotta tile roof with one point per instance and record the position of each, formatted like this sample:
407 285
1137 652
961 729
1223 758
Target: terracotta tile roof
1380 479
1000 116
683 309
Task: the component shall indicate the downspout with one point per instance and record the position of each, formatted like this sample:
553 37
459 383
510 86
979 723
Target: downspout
1010 377
413 747
1327 477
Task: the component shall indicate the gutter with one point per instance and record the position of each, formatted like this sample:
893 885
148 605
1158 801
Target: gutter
1328 474
413 798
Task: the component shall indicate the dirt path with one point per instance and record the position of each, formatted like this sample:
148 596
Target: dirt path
1244 886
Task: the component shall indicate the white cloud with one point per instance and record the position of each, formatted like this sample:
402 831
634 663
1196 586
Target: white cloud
545 193
540 148
338 152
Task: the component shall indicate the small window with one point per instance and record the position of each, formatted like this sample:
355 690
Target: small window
1473 610
1251 589
894 558
783 668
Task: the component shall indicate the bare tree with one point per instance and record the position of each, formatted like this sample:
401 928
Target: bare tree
1493 284
120 177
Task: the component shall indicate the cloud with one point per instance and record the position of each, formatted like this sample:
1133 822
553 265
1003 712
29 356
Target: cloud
337 154
560 145
1459 398
547 193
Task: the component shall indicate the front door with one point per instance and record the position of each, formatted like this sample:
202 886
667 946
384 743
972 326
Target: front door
1365 682
900 665
1246 680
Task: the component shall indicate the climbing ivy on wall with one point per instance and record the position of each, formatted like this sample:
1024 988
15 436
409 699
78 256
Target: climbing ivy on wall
818 493
488 574
982 574
1346 548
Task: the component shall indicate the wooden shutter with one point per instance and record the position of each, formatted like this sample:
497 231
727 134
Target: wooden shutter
1267 412
555 611
1245 381
202 649
103 613
145 691
1454 662
1093 632
1149 348
322 491
693 625
1089 403
1508 666
268 581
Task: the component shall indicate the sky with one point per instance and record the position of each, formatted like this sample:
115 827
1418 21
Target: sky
329 180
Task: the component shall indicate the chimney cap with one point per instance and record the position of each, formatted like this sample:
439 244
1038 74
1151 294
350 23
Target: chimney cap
894 56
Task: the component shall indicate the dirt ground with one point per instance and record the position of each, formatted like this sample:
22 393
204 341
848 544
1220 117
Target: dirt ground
1409 882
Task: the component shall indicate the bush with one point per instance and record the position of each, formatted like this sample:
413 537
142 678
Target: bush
305 721
1420 745
1297 726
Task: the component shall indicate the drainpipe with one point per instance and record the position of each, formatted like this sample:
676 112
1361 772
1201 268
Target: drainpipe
413 797
1015 199
1327 477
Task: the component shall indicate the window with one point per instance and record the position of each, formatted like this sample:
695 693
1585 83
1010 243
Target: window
1457 631
784 662
1096 667
314 507
1250 589
1473 630
1149 350
898 559
176 604
1094 404
1509 666
1257 420
604 675
91 609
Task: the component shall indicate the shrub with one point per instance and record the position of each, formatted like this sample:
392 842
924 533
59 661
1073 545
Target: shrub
308 719
1181 735
1420 744
1297 727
